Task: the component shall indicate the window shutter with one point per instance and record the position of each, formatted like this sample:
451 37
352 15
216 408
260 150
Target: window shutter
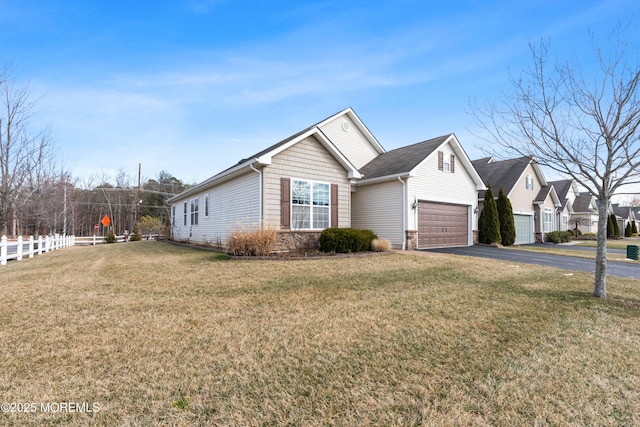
453 163
334 205
440 160
285 203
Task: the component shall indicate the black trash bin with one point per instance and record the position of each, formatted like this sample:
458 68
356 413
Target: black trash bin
632 252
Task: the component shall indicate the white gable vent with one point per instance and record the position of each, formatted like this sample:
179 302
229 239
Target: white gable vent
346 126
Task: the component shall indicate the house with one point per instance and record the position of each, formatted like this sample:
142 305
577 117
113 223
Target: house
533 200
624 215
420 196
335 174
567 191
585 213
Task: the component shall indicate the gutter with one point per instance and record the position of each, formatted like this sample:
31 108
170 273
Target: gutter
404 213
259 194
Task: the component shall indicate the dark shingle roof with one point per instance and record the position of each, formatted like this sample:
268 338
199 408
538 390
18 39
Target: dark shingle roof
401 160
562 189
501 174
543 194
582 203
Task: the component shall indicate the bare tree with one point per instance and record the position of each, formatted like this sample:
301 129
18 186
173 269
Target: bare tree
580 123
21 149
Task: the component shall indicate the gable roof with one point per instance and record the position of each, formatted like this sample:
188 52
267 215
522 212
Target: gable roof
264 157
562 188
404 161
505 173
585 203
546 191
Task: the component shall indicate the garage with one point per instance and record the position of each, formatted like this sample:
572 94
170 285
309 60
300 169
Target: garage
524 231
442 224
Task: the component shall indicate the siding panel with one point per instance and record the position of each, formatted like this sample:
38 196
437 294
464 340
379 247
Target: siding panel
307 159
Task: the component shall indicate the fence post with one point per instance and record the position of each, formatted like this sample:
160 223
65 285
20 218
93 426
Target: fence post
20 248
31 247
94 240
39 244
3 250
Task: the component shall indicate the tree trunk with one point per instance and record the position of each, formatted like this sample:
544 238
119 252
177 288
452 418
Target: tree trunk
600 287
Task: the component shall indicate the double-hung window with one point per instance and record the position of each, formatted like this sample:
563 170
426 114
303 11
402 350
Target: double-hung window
173 215
194 211
185 213
310 205
548 220
206 205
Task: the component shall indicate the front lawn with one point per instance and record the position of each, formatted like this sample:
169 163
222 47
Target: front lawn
157 334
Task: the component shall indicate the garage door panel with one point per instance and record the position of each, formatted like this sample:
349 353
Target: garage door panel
524 230
442 224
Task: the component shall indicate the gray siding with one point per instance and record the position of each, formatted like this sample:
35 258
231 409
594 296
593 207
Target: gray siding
378 207
231 204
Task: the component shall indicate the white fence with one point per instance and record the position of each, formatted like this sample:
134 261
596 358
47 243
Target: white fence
20 248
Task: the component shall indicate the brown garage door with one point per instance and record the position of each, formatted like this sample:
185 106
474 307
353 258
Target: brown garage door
442 224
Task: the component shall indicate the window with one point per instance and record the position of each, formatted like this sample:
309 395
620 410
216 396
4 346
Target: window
548 220
565 222
194 212
448 165
529 182
206 205
185 213
310 205
173 215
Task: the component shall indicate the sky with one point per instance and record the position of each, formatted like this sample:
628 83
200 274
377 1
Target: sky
192 86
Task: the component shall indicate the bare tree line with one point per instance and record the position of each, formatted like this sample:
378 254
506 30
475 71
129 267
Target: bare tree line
39 197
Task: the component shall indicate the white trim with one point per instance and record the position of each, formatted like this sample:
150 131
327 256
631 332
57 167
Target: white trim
311 206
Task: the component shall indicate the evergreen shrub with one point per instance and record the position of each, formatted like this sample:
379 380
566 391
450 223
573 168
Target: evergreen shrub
346 240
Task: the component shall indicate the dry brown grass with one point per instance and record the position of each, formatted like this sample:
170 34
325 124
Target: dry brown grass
166 335
252 242
380 245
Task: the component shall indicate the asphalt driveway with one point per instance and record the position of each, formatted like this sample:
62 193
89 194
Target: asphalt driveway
614 268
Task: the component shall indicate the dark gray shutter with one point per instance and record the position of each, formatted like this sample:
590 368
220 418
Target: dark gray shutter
440 160
453 163
285 203
334 205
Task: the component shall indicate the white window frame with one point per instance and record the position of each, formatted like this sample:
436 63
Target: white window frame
565 222
186 212
529 183
193 210
547 220
314 210
446 166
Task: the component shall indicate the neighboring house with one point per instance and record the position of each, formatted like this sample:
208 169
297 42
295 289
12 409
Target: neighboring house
421 196
585 213
567 191
624 215
533 200
336 174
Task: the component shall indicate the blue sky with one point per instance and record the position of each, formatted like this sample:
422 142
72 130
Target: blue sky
193 86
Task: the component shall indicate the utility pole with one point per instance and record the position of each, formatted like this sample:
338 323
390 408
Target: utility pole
138 200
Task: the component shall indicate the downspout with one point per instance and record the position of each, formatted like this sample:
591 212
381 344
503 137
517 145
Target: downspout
260 224
404 213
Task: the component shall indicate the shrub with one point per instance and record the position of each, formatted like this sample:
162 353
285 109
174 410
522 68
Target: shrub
110 238
558 236
345 240
488 223
378 245
135 236
505 217
150 225
260 242
627 230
